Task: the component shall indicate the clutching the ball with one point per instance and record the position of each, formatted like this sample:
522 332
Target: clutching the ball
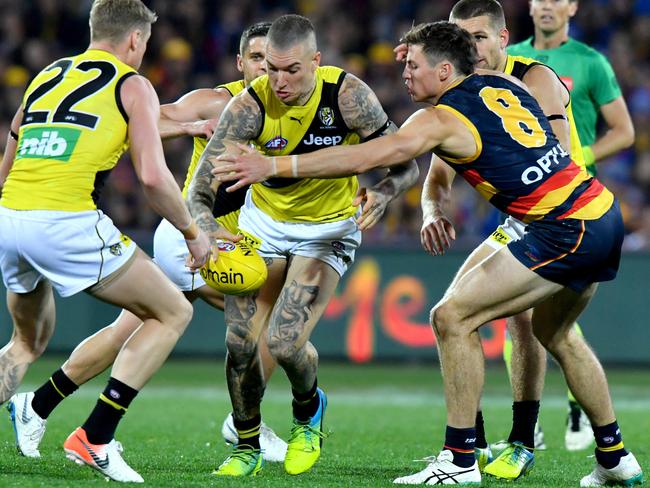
239 270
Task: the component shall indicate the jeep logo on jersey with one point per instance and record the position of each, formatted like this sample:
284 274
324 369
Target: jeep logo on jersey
326 116
322 141
42 142
277 143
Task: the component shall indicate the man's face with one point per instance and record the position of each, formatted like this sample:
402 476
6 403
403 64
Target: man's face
252 63
552 15
422 80
292 71
490 42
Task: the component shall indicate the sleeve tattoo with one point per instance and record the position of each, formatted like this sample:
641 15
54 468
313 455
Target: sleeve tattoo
239 123
360 107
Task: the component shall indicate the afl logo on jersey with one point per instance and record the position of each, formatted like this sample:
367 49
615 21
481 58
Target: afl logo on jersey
276 144
326 116
225 246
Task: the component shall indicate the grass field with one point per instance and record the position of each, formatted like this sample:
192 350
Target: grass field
381 417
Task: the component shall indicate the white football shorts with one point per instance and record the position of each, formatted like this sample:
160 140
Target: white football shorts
331 242
170 252
73 250
511 230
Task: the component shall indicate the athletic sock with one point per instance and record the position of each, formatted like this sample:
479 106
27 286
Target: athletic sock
609 445
461 443
305 405
112 405
51 393
481 443
524 418
574 415
248 431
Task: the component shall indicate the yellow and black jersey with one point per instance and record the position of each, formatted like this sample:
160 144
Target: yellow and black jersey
225 202
289 129
73 131
518 66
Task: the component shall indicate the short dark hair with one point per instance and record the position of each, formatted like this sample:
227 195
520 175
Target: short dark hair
259 29
288 30
444 40
468 9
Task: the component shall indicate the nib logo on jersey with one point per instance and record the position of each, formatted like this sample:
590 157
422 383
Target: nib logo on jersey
48 143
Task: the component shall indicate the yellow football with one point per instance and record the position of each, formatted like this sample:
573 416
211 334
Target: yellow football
238 271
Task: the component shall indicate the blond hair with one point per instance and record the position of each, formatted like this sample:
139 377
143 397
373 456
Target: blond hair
113 20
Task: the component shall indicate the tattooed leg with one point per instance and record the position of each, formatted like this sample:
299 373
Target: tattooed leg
33 315
243 366
308 288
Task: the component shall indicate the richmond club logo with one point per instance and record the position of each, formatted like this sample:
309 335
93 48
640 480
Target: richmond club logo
326 116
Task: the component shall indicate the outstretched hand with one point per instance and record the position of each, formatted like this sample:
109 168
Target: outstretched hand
245 168
374 205
436 234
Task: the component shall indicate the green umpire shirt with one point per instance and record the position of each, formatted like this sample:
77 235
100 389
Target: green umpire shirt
586 73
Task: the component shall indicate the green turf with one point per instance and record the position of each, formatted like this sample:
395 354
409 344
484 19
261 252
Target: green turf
381 418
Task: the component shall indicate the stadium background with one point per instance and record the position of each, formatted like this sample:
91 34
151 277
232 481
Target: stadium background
380 311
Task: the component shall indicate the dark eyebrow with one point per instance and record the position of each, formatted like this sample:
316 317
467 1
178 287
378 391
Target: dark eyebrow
294 65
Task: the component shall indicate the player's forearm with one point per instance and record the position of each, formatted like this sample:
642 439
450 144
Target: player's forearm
171 128
614 140
436 190
166 199
399 179
339 161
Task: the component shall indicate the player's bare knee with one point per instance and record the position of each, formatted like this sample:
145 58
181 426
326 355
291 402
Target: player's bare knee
447 321
282 350
241 348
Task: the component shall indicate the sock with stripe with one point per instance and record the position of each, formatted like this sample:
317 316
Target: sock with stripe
461 443
524 418
481 442
248 431
305 405
51 393
609 445
112 405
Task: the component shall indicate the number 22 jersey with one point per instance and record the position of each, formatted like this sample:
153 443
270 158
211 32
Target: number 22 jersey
73 132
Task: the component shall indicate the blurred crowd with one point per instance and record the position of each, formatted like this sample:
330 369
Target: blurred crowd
194 43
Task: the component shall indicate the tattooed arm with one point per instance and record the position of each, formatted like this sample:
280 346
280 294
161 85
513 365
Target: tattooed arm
240 122
363 113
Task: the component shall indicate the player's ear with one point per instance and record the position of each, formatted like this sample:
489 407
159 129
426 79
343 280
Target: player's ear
445 70
240 63
504 37
316 59
135 38
573 7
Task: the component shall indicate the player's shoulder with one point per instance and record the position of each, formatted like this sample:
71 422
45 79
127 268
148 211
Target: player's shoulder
331 74
233 88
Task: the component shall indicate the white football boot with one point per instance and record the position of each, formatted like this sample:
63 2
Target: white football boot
273 448
442 471
580 436
105 458
28 426
626 473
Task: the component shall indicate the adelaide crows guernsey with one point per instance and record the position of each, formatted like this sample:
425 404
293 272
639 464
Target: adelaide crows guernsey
518 66
519 165
289 129
224 202
73 132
